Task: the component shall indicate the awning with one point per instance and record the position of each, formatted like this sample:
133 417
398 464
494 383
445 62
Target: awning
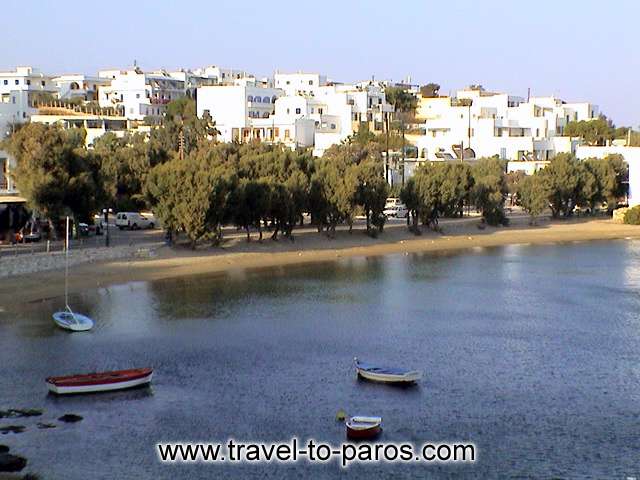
12 199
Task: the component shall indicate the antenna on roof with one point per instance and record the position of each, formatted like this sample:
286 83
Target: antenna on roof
528 94
135 63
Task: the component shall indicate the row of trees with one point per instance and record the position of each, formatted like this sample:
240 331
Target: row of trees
567 183
600 131
259 185
441 189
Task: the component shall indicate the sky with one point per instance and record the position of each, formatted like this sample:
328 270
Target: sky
579 50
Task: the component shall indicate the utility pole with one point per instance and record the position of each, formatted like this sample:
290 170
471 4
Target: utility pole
181 144
468 128
386 158
403 144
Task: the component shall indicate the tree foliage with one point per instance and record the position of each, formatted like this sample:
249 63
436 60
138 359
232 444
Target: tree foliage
54 172
430 90
490 189
597 131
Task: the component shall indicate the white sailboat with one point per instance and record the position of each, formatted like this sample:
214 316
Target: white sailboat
68 319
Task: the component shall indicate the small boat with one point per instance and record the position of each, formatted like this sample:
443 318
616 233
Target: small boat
386 374
72 321
67 318
100 382
362 428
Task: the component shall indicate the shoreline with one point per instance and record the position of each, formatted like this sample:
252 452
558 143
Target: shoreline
308 248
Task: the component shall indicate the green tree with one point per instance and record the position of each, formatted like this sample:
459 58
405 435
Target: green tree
532 195
372 191
124 165
181 117
54 172
594 132
568 184
456 182
490 189
410 197
430 90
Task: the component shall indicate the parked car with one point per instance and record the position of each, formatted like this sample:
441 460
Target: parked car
87 230
135 220
32 237
394 208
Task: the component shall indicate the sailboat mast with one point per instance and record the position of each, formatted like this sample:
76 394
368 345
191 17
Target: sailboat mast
66 267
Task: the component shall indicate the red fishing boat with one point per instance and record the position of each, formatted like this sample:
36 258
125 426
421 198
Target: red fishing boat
100 382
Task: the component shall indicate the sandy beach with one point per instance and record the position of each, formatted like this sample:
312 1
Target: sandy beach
308 247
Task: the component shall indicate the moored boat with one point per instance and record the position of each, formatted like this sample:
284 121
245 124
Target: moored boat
67 318
386 374
362 428
100 382
75 322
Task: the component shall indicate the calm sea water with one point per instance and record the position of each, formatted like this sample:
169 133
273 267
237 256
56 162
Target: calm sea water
531 352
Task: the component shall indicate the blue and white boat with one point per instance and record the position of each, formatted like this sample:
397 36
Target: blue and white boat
378 373
67 318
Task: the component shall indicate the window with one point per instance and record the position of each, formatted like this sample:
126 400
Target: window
18 83
287 111
266 100
320 111
273 99
43 83
6 82
24 114
298 111
288 83
311 109
310 82
286 132
250 98
257 99
28 81
333 126
137 95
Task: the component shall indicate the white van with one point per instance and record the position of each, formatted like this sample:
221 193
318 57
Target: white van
135 220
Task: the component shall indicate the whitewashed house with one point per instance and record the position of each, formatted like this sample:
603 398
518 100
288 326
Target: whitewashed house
80 86
491 124
138 94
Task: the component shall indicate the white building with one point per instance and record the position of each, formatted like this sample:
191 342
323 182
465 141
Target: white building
19 91
138 94
79 86
222 76
312 113
299 83
235 107
497 124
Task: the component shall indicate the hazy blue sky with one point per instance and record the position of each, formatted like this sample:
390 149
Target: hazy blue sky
577 49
